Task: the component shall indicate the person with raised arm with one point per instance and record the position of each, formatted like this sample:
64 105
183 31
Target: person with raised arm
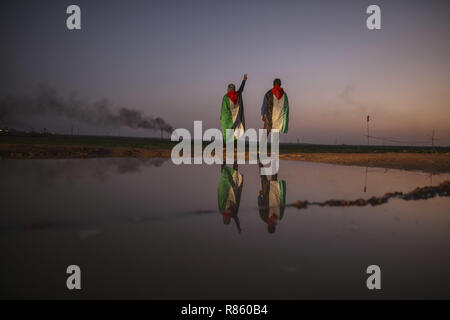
232 111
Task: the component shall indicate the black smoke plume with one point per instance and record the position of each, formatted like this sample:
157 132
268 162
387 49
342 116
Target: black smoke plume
47 102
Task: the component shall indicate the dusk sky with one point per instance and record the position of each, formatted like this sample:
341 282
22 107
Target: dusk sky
174 59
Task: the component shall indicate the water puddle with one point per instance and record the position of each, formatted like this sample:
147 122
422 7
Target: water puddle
145 228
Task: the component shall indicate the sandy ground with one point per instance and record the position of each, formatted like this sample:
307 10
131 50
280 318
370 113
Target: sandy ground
429 162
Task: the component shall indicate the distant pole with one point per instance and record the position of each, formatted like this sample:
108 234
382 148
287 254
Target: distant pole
368 141
432 139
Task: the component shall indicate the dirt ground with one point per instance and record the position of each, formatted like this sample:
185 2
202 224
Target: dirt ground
428 162
42 151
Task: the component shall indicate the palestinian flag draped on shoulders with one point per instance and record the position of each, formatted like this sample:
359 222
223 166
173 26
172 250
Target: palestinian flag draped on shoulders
232 112
275 110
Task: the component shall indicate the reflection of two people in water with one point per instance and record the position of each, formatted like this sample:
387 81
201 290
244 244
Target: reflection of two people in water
271 198
229 194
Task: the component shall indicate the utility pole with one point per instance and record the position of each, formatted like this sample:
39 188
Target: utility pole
432 139
368 141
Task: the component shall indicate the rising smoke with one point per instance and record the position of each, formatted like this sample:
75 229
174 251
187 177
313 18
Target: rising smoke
47 102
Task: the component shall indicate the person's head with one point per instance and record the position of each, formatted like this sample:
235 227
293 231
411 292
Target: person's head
272 223
231 87
226 215
277 82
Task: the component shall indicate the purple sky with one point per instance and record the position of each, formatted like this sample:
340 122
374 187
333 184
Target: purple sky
174 59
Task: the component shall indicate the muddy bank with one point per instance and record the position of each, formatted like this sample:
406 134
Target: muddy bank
428 162
422 193
39 151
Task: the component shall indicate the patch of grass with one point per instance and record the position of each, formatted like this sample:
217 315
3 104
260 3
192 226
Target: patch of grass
101 141
155 143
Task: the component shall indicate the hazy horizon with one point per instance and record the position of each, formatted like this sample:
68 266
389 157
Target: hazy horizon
174 60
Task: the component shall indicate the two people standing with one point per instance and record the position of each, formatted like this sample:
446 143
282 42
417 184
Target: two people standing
274 110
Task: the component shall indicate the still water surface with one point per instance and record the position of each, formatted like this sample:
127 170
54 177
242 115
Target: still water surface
145 228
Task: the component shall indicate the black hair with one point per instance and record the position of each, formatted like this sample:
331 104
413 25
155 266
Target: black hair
277 82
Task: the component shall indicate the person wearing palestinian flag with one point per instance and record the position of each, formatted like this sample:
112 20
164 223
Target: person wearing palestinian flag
229 194
232 111
275 109
272 201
